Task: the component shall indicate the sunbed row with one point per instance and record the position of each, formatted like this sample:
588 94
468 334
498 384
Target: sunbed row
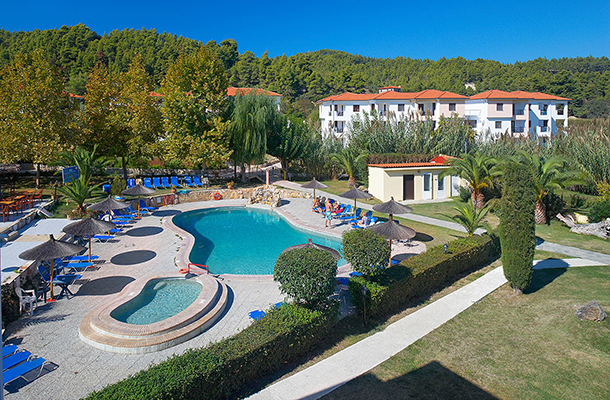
18 363
166 182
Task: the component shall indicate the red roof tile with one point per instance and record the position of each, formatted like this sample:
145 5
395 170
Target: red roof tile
405 165
516 95
428 94
232 91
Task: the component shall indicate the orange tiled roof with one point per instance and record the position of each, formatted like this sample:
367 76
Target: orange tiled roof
429 94
155 94
232 91
516 95
75 96
437 161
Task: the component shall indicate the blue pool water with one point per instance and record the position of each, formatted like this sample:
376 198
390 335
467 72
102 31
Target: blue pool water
243 241
159 299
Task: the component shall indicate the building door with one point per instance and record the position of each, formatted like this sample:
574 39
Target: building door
440 188
427 192
408 188
455 186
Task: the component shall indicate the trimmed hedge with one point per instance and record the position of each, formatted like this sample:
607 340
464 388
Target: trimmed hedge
10 305
422 273
222 369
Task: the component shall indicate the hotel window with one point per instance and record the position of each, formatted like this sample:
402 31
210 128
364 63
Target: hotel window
356 108
543 109
401 107
499 107
421 108
560 108
451 106
498 124
441 184
372 106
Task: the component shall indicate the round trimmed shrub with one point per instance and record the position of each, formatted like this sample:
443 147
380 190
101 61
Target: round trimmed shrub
306 275
367 251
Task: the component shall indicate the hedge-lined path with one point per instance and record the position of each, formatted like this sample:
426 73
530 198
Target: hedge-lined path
546 246
338 369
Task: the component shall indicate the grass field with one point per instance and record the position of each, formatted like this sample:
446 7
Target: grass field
507 346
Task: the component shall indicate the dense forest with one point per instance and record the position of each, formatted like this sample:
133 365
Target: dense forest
307 77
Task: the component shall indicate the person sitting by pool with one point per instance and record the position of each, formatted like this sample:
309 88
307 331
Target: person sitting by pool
317 207
337 208
328 215
364 221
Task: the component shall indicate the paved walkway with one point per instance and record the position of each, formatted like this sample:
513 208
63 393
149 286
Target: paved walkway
546 246
338 369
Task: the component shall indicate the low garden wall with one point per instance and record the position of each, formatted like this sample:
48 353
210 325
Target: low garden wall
422 273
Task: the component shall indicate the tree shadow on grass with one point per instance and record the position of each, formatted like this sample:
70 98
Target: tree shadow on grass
544 277
104 286
431 381
133 257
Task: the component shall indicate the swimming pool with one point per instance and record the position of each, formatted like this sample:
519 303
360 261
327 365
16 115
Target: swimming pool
243 240
159 299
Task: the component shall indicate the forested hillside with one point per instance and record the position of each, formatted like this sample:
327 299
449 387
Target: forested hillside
306 77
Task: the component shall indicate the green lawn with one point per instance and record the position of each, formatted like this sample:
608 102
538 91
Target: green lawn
507 346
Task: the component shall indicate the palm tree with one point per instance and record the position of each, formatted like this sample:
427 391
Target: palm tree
252 119
470 217
549 174
87 162
477 170
78 191
348 159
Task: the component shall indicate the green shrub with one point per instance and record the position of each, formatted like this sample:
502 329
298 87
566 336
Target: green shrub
10 305
422 274
599 211
367 251
117 186
224 369
465 194
306 275
517 225
554 204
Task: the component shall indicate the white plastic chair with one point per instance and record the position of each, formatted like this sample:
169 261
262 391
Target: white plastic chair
25 297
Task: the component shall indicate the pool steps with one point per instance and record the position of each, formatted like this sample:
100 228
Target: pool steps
101 331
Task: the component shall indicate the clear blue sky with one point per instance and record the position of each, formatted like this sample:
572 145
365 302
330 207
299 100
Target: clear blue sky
514 30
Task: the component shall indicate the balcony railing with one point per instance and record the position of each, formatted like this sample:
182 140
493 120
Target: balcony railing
519 129
520 112
339 129
339 113
544 128
543 112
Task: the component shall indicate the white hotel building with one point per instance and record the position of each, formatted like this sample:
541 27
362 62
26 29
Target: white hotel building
493 112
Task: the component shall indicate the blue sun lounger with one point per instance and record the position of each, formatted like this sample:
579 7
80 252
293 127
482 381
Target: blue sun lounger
174 181
131 183
257 314
165 182
157 183
20 370
148 183
144 207
84 257
102 238
188 182
8 350
14 359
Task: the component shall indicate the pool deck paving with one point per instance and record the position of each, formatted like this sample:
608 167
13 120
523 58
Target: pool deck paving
145 247
338 369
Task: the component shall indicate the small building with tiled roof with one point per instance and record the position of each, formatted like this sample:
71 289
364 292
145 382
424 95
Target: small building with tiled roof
414 181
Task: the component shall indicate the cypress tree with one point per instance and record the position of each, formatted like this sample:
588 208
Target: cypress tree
517 226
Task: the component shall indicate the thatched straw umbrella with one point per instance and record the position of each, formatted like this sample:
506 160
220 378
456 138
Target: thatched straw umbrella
50 250
354 193
311 245
313 184
88 227
139 190
392 230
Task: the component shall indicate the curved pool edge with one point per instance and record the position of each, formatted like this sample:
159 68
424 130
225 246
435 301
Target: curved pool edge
102 331
188 240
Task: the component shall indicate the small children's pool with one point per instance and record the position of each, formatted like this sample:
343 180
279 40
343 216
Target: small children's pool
243 240
158 300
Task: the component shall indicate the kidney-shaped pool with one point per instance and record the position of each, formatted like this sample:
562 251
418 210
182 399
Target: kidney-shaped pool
243 240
